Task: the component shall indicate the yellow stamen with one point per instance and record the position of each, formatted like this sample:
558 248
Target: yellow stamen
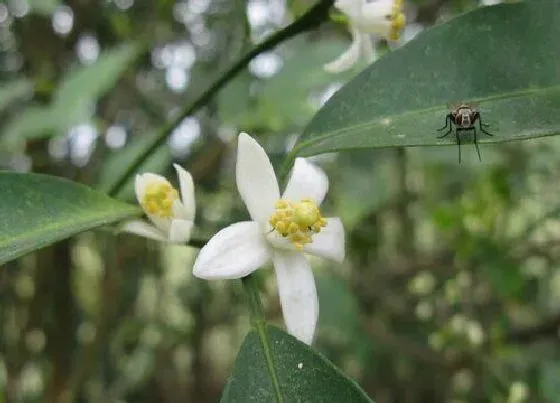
297 221
159 198
397 19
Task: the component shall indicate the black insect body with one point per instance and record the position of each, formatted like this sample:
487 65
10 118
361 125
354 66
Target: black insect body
464 117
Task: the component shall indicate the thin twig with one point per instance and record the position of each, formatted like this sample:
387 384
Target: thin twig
311 19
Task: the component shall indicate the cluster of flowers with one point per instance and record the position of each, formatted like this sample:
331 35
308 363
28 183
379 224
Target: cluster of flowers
282 228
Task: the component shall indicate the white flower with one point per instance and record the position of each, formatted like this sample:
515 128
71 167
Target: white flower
281 230
382 18
172 217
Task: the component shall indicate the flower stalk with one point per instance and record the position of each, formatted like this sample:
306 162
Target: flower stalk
251 288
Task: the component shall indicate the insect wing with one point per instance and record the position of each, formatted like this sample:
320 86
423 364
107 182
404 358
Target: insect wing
453 106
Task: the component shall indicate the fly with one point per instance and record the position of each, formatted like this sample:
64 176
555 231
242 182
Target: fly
463 117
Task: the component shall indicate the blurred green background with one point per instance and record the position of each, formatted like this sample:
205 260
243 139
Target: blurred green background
451 287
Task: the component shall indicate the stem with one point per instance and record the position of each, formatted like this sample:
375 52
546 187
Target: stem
251 287
311 19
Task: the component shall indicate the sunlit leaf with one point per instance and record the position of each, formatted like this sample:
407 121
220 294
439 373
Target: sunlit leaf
503 57
38 210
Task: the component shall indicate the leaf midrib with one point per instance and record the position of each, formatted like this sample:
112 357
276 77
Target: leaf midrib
267 350
360 126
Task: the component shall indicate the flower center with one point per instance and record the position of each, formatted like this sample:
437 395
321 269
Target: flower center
158 199
297 221
397 19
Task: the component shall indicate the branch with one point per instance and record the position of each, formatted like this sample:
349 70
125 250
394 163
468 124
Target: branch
546 329
311 19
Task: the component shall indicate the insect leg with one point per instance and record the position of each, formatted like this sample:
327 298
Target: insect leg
447 119
476 145
444 135
482 126
458 143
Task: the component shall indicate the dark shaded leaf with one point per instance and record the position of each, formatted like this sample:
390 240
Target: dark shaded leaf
303 374
504 57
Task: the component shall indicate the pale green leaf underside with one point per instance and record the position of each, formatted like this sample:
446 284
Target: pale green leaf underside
504 58
38 210
303 375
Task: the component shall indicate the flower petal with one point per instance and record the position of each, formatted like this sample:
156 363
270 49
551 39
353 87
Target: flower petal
349 57
351 8
180 231
162 223
187 192
307 181
368 48
329 243
144 229
375 17
298 295
256 180
233 252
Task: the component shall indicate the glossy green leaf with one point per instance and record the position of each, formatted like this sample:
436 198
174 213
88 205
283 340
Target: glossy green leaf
303 374
38 210
504 58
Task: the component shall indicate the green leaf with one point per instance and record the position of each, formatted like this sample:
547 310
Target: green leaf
14 90
275 102
73 99
88 83
233 100
38 210
292 102
303 374
504 57
34 121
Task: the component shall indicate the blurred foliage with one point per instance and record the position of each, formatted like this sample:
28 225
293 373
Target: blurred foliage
451 286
